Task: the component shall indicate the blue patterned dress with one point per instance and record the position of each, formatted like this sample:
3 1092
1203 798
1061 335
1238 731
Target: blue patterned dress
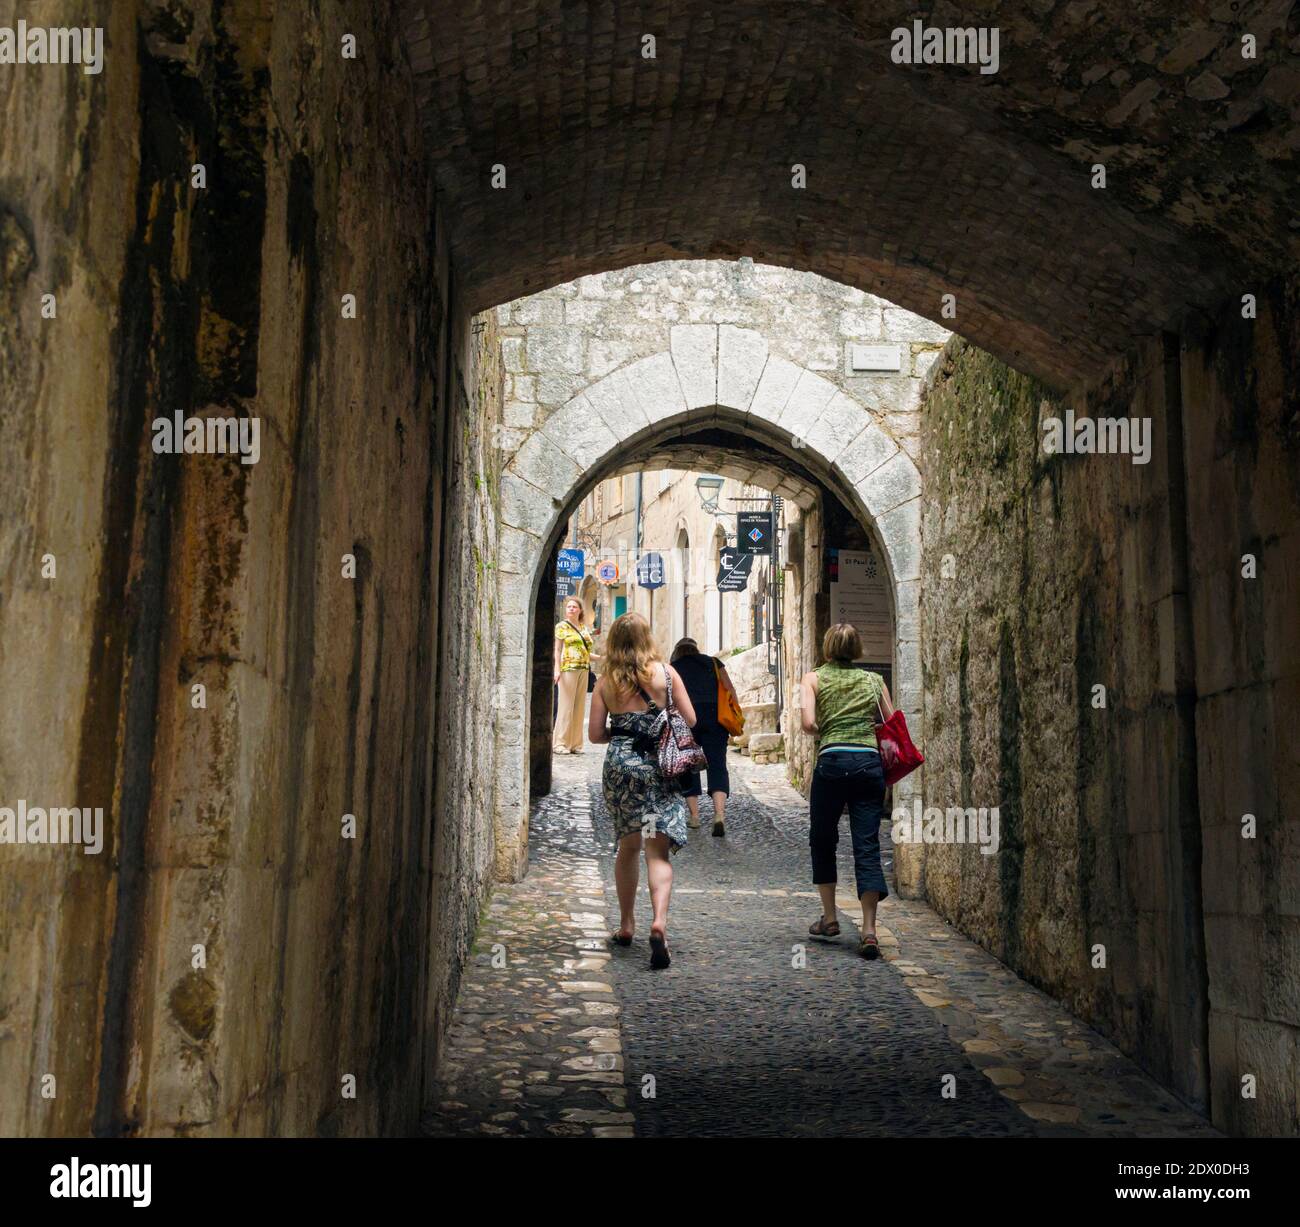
635 791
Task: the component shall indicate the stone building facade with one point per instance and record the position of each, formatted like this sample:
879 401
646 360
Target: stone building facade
661 512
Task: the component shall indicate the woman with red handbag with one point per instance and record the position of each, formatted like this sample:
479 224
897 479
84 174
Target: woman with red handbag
839 707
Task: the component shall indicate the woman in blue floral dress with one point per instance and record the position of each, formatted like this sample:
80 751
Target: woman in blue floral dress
648 811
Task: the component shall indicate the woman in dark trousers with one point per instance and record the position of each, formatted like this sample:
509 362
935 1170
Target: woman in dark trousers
840 706
701 674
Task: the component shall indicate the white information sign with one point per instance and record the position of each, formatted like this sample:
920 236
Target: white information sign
877 357
861 597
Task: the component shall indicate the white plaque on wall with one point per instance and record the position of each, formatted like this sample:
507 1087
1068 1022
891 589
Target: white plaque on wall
876 357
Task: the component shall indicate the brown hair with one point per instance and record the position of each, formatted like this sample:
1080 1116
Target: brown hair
685 647
842 643
630 650
582 609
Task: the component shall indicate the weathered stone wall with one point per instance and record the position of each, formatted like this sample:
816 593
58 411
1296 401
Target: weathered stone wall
750 675
1241 389
806 610
558 342
1044 577
464 742
230 958
66 222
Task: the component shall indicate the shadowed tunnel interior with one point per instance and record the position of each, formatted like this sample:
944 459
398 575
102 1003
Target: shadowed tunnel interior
403 238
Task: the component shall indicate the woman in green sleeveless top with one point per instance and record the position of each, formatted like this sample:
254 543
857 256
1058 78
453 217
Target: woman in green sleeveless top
841 705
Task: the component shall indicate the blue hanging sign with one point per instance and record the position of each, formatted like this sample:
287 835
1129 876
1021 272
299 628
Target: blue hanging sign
570 564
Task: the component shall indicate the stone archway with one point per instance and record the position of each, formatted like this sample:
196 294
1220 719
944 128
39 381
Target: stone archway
712 375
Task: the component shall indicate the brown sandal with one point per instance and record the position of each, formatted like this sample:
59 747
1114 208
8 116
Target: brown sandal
870 948
820 927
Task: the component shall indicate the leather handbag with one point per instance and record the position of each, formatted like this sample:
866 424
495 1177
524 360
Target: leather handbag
730 715
679 752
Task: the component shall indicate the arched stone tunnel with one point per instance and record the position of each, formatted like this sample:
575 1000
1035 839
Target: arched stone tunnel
285 679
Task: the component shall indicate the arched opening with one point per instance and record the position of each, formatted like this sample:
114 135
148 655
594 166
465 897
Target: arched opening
826 513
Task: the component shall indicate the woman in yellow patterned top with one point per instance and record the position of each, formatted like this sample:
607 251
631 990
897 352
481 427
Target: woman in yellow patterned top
573 657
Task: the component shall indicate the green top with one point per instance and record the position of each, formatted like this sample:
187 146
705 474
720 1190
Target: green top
847 709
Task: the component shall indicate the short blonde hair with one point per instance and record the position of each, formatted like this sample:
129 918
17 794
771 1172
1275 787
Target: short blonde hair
842 643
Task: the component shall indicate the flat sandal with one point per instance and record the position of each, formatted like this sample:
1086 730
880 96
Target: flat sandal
822 928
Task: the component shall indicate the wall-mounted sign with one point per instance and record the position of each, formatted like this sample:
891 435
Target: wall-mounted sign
754 532
570 563
733 570
650 571
607 572
860 596
566 587
876 357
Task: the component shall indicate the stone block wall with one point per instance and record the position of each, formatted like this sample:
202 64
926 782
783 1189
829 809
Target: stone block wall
1241 386
1045 577
806 611
473 711
231 957
1058 569
558 342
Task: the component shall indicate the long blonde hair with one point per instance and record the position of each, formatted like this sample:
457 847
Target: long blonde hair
630 650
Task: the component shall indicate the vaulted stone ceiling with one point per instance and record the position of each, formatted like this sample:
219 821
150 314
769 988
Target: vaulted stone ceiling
921 180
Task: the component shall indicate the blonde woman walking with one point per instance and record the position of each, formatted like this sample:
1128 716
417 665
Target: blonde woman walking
573 657
635 686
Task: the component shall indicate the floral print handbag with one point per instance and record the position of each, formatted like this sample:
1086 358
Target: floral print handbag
679 752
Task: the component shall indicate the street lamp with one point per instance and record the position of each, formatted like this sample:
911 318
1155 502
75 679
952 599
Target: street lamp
709 486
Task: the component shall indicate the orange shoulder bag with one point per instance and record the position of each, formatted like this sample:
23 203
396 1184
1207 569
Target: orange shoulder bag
729 714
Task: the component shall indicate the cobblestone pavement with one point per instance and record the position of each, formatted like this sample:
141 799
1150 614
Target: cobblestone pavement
756 1029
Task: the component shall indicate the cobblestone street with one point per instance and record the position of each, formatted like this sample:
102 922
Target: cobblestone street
756 1030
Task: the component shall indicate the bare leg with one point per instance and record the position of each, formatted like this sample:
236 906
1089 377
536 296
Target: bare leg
827 892
659 872
693 804
868 899
719 807
627 875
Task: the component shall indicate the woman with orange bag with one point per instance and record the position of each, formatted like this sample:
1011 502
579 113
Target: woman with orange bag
711 690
